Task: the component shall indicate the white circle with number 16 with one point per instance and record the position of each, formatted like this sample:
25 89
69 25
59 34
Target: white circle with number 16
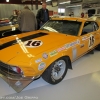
33 43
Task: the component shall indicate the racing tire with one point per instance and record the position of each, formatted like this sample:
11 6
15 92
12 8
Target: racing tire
98 47
56 71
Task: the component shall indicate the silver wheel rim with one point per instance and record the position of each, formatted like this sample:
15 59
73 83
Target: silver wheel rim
58 69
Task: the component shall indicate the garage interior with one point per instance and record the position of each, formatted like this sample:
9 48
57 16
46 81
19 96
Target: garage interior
81 83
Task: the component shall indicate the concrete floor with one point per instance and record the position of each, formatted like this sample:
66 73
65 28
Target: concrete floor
81 83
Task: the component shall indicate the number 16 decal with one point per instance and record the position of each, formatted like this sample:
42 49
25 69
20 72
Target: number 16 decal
91 41
33 43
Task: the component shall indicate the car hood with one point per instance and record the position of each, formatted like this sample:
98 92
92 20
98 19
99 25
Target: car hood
28 45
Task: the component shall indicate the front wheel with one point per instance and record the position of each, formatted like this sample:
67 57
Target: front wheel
98 47
56 71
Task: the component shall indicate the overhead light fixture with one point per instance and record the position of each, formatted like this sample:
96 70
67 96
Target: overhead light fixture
7 0
73 6
48 0
65 2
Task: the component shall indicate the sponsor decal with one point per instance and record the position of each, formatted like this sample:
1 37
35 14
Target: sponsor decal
33 43
38 60
45 55
67 46
78 41
74 43
84 38
41 66
91 41
60 49
53 53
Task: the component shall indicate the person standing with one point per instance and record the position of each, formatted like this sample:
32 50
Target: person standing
27 20
82 15
42 15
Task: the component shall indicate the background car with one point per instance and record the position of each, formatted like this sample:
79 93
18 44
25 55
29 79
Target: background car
7 26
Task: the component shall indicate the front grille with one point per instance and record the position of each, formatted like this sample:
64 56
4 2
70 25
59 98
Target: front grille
7 70
4 65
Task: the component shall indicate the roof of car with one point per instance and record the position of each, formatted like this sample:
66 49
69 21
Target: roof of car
94 18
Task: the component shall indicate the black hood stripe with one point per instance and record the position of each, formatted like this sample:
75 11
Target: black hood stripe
33 36
9 32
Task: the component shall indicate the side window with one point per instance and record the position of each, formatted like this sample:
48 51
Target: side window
88 27
96 27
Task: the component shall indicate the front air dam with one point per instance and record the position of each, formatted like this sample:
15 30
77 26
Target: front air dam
17 84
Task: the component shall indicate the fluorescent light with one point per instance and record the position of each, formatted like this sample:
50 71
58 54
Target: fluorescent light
65 2
73 6
7 0
48 0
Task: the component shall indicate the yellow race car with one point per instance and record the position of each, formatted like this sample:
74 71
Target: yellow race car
47 52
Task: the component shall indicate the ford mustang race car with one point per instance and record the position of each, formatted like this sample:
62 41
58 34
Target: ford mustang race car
47 52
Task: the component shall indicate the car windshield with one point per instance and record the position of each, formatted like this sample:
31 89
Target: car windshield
62 26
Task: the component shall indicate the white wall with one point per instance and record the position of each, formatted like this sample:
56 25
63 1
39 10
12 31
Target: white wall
77 11
68 10
6 10
55 9
62 6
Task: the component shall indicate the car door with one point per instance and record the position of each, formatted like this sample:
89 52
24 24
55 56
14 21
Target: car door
96 33
88 38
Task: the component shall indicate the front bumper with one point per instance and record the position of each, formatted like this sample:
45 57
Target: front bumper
17 83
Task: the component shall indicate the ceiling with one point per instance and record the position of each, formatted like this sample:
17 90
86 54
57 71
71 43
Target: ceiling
80 1
39 1
21 1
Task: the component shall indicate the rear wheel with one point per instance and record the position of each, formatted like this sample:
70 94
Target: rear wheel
56 71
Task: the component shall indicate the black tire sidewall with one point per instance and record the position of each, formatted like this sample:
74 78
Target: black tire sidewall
51 79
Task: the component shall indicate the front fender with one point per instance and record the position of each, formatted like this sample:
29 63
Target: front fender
54 58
